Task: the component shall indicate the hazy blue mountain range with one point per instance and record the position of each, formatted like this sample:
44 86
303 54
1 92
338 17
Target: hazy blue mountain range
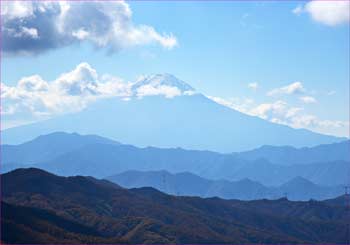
45 208
342 200
188 184
99 157
48 146
321 173
288 155
187 121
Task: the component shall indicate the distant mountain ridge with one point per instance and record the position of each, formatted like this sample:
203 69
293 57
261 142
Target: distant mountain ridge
187 184
49 146
83 209
165 122
288 155
103 157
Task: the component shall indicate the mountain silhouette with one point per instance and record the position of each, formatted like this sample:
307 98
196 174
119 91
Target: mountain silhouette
190 121
84 209
100 157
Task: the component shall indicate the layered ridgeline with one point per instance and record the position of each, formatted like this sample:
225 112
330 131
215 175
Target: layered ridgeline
74 154
288 155
45 208
188 119
187 184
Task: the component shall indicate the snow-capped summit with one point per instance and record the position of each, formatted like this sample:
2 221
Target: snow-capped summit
158 80
165 85
188 120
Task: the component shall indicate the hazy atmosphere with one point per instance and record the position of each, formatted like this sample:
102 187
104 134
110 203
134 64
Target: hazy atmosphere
286 63
175 122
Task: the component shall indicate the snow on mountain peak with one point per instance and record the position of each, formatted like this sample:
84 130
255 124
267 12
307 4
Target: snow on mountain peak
161 84
163 80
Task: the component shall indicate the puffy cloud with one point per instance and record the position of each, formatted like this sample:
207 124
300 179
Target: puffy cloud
308 99
149 90
269 110
75 90
298 10
238 104
330 13
293 88
34 27
17 9
253 86
70 92
33 83
23 32
282 113
82 80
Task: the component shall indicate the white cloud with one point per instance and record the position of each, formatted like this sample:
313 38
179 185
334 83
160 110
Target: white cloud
270 110
149 90
82 80
17 9
37 26
33 83
298 10
190 92
31 32
282 113
70 92
330 13
23 33
308 99
238 104
36 99
27 32
253 86
80 34
292 112
293 88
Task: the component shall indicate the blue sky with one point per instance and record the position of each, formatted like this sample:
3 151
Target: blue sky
222 47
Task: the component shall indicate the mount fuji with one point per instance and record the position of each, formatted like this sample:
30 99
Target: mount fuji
164 111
